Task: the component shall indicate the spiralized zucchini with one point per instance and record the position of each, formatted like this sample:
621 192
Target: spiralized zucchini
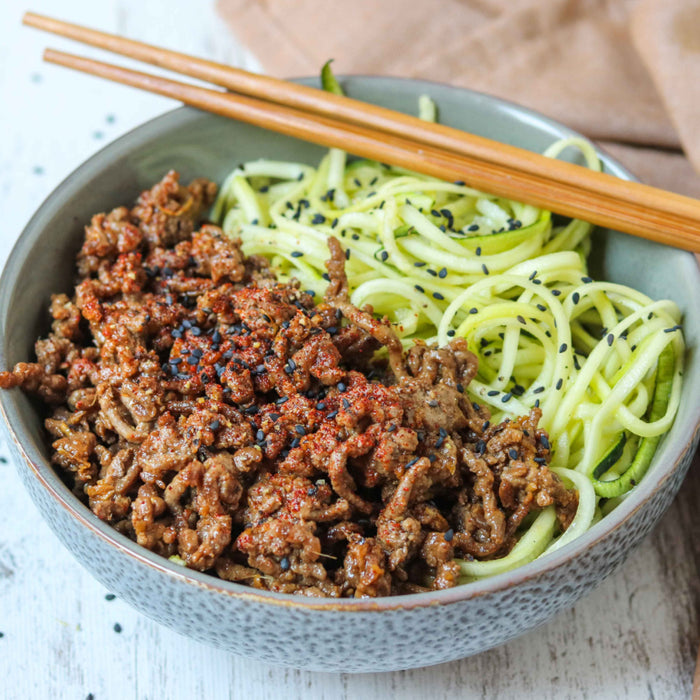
442 260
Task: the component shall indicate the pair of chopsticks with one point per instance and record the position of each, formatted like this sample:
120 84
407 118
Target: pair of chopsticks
381 134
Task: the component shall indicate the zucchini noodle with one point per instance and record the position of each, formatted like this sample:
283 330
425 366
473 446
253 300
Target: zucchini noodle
440 260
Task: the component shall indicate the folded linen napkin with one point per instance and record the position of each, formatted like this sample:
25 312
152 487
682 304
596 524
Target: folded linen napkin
623 72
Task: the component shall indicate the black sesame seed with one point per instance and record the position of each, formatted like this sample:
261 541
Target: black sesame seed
110 596
537 403
391 429
533 275
192 360
560 383
493 392
419 288
214 425
175 360
575 297
443 273
507 397
299 430
544 442
332 415
341 387
610 339
586 280
485 269
556 292
449 535
438 296
297 254
419 264
318 219
450 333
433 403
331 330
459 388
485 426
562 347
520 319
284 564
295 443
539 390
541 307
412 462
473 310
474 227
513 453
435 212
432 458
321 406
384 255
480 447
540 460
431 272
117 628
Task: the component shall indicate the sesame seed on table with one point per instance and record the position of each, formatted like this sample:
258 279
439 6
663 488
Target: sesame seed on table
63 635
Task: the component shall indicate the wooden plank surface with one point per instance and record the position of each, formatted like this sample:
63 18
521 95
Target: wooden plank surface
635 637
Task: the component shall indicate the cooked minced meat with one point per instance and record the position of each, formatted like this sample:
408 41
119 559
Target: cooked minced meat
207 411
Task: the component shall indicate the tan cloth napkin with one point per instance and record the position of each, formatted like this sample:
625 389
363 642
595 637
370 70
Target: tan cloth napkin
624 72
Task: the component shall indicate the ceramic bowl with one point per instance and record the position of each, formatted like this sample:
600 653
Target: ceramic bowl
329 635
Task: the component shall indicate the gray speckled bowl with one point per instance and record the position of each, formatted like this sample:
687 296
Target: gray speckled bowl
328 635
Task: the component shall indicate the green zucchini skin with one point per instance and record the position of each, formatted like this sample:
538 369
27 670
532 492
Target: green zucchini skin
647 446
328 81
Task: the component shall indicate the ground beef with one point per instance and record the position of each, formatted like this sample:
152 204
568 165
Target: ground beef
213 414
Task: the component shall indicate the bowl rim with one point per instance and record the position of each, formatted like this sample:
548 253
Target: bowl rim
50 481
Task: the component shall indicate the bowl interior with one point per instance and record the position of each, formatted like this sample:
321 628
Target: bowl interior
200 144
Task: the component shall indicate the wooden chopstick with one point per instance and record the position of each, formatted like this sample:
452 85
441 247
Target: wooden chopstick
367 115
662 216
350 110
672 229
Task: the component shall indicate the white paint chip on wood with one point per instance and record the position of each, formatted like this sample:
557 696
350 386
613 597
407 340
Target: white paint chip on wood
635 637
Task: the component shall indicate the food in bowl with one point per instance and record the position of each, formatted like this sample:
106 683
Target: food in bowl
219 416
223 419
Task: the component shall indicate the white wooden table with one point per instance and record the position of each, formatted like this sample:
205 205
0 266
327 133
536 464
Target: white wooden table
635 637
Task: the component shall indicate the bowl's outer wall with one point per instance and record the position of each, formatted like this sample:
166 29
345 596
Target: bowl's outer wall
291 630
